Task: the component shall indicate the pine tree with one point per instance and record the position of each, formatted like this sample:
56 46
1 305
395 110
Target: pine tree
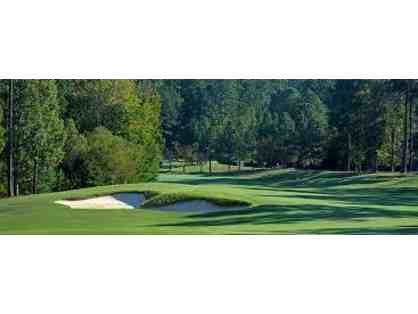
141 126
39 131
10 142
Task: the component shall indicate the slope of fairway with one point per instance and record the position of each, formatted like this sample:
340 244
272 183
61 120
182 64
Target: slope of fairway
282 201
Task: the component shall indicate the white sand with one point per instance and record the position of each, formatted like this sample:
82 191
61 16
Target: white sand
117 200
199 206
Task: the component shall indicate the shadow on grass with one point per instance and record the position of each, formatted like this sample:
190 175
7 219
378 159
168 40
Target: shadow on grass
290 214
399 230
402 196
354 196
287 178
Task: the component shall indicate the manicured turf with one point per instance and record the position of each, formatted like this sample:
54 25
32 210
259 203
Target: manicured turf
282 201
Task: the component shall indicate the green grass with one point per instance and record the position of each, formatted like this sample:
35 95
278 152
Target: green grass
282 202
171 198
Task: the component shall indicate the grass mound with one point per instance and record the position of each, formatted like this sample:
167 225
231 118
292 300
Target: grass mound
172 198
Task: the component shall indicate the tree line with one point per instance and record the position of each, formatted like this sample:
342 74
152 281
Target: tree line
66 134
351 125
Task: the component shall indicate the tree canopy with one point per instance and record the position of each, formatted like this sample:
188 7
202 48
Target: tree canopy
65 134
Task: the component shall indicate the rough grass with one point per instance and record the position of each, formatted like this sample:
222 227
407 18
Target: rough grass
282 202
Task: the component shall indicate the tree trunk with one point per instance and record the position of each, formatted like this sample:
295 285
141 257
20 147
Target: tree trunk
58 179
371 137
405 137
392 152
10 146
373 160
239 165
15 177
411 137
35 176
210 166
348 152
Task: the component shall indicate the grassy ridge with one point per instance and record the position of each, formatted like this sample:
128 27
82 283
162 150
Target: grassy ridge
171 198
282 201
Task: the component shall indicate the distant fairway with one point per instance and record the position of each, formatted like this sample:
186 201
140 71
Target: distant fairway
282 202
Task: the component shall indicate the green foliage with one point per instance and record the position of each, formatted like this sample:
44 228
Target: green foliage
311 122
295 128
3 122
275 144
126 108
39 134
73 166
95 103
109 159
355 125
363 115
389 152
2 131
142 128
171 102
42 131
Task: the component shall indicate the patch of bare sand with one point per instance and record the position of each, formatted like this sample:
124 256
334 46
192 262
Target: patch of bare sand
114 201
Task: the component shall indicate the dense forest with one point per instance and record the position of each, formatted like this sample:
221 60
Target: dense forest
66 134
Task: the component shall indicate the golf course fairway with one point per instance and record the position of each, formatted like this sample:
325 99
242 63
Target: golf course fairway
267 202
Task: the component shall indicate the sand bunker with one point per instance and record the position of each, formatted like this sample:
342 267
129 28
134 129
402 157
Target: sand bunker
117 200
131 200
199 206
